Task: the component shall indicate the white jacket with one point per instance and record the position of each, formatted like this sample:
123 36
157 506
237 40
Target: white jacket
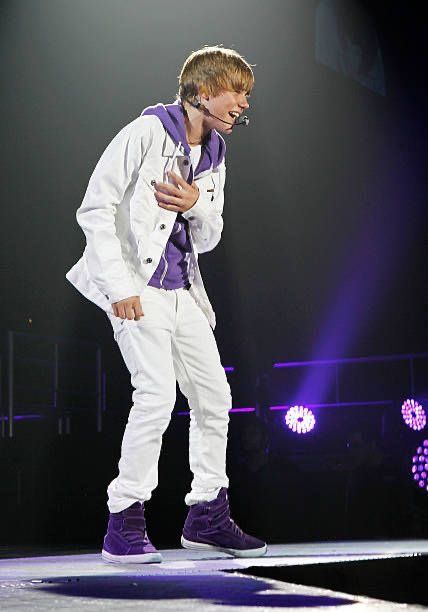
126 231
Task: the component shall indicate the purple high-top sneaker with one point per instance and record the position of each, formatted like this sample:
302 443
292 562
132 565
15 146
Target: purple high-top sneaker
126 540
208 526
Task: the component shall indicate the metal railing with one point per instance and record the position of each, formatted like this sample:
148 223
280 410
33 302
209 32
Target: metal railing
56 407
59 409
408 360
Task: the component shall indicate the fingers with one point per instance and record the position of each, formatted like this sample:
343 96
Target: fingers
129 308
173 188
178 179
168 189
165 196
196 188
118 309
138 310
176 198
168 199
171 208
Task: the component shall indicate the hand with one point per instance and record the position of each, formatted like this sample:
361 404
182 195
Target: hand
129 308
178 197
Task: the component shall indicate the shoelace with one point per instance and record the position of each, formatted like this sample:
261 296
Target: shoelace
222 519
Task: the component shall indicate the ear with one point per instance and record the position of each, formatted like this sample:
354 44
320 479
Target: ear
203 94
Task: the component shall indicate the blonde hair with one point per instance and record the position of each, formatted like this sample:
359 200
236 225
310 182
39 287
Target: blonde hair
213 70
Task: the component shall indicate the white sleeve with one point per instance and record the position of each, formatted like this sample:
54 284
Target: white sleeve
117 167
206 215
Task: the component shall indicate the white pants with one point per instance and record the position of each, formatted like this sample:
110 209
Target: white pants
172 342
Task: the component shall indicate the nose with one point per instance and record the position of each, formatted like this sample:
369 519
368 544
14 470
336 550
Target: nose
243 102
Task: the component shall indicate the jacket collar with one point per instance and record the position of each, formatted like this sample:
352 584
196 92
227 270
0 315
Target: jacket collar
169 148
172 118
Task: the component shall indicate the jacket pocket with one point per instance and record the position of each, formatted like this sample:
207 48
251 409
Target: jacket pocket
117 324
208 187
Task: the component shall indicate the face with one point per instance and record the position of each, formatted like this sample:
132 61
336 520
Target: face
227 106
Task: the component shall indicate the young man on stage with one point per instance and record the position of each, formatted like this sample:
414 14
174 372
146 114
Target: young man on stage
153 203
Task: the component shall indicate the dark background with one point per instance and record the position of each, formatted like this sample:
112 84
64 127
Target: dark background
323 253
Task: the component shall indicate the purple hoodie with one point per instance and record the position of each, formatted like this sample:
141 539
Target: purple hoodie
172 270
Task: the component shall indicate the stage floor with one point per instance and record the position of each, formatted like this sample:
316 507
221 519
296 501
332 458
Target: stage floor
188 580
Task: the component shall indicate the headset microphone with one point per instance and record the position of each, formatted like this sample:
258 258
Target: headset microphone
241 121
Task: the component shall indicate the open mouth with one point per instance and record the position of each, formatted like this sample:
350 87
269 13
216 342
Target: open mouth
234 114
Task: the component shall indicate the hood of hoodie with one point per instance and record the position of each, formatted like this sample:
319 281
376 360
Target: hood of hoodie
172 118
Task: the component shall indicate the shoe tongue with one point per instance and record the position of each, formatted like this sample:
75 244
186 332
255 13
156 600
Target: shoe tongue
222 495
134 511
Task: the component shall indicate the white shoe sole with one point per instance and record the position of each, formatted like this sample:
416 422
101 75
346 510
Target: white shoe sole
235 552
145 558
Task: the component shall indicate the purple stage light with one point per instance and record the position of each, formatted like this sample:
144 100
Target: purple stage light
300 419
420 466
413 414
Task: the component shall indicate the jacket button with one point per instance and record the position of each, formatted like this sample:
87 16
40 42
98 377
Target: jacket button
163 226
153 182
149 260
191 218
186 162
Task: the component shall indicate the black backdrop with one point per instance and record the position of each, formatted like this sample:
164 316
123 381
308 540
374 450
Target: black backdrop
324 247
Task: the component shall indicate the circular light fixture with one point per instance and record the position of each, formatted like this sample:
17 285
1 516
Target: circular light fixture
420 466
413 414
300 419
